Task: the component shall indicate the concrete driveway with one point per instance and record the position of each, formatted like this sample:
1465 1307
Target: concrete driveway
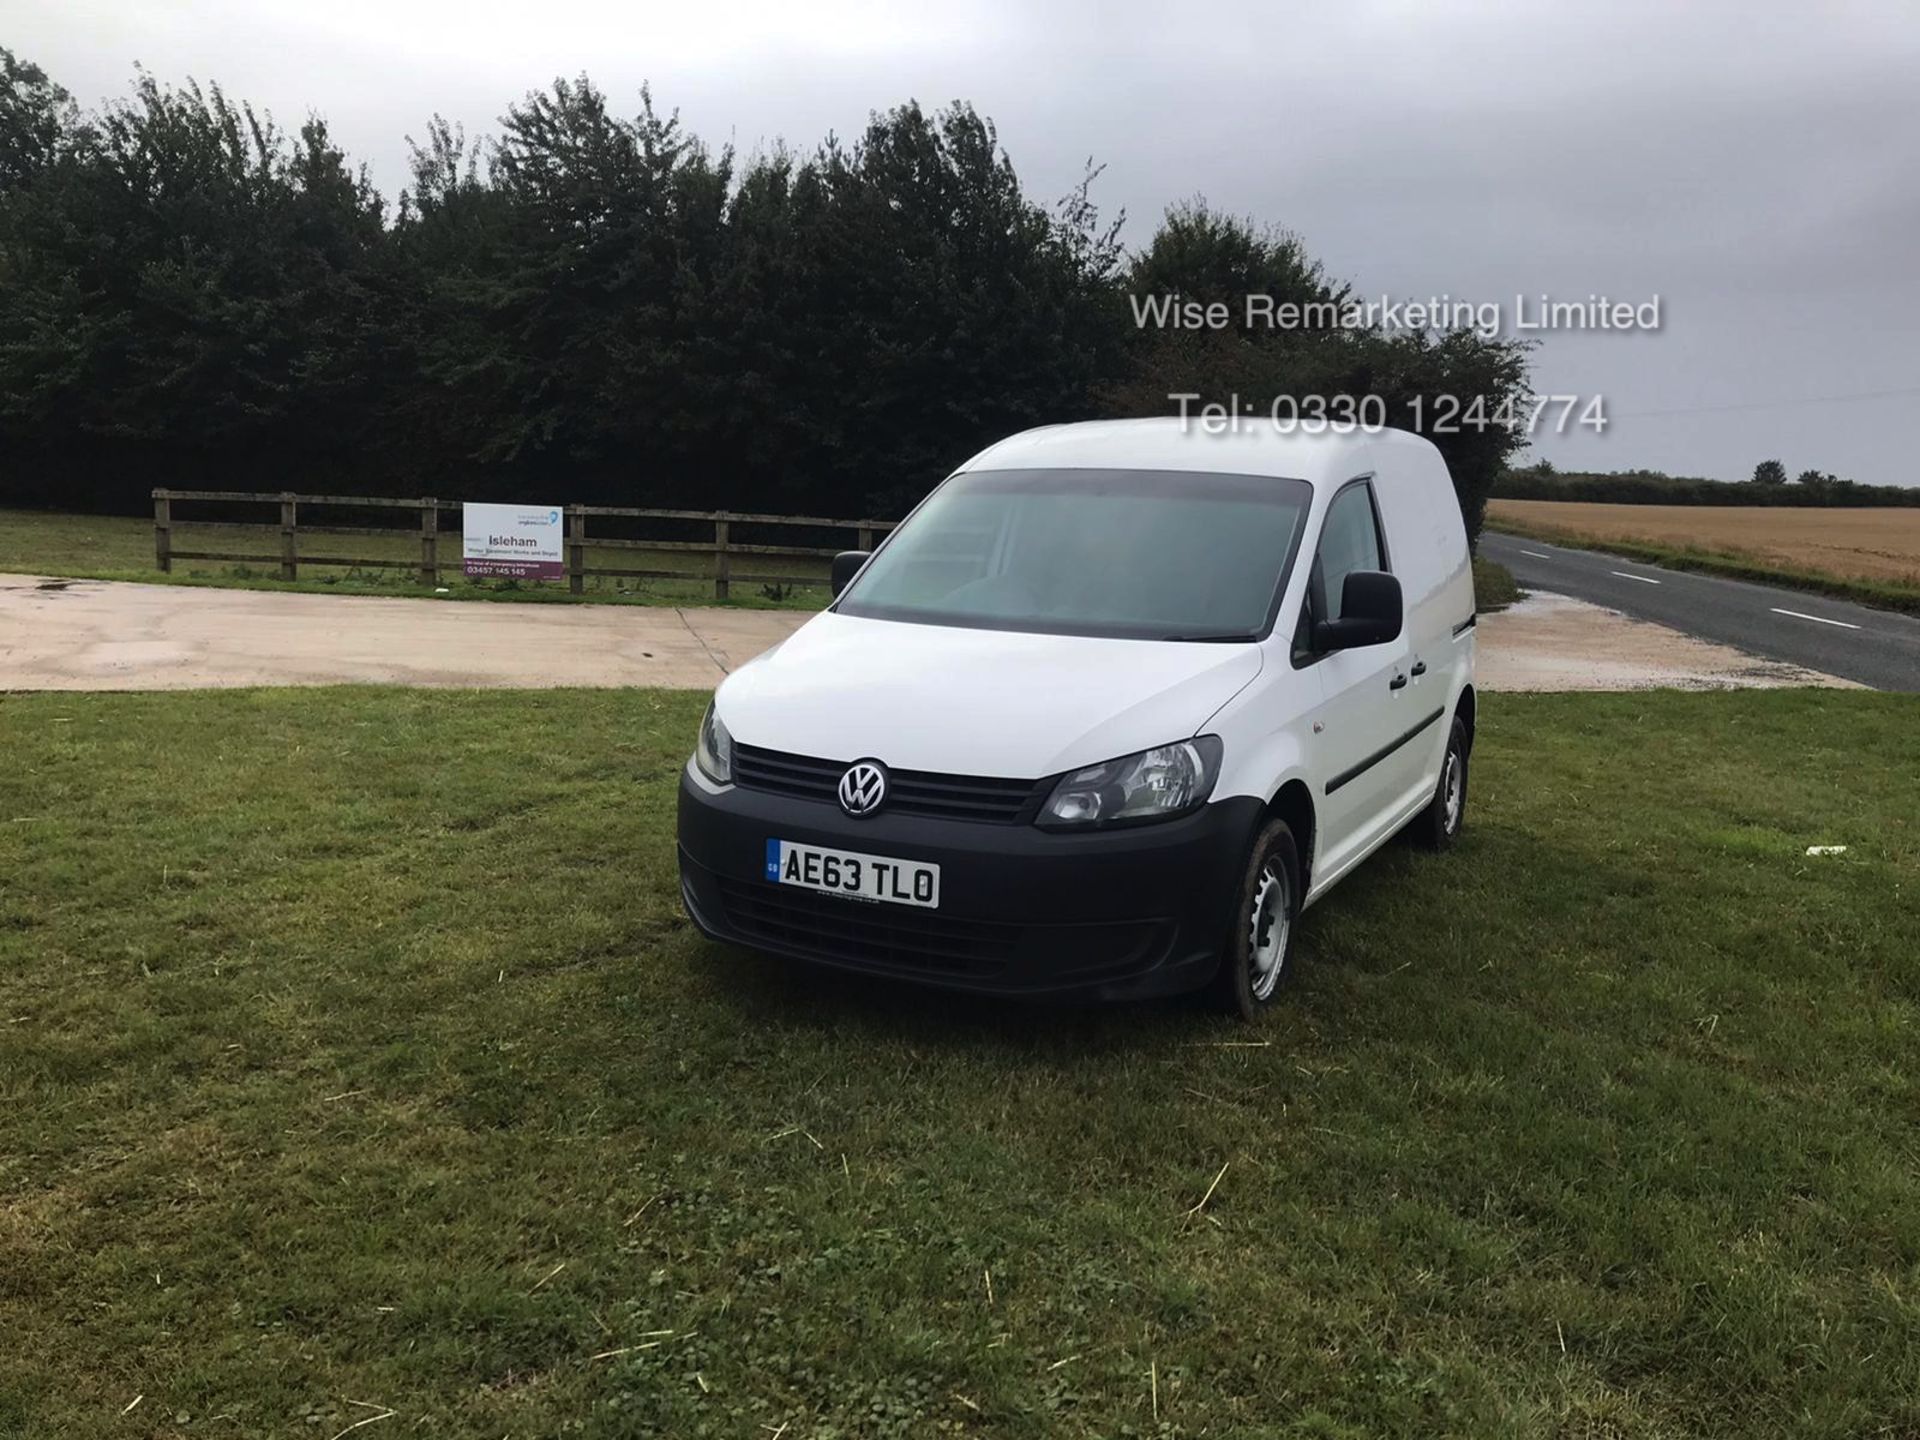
95 635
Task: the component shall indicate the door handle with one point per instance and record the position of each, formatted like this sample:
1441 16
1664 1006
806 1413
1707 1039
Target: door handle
1419 668
1399 682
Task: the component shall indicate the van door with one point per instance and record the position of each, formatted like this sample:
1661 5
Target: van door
1364 708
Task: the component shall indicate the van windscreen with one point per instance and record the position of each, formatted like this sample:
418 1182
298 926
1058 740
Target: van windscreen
1134 554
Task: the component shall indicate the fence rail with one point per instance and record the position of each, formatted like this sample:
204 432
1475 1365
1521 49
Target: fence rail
723 547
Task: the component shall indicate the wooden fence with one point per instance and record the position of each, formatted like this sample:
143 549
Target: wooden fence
289 557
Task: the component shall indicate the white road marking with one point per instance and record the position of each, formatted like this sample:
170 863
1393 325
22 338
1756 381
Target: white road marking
1817 619
1536 554
1643 579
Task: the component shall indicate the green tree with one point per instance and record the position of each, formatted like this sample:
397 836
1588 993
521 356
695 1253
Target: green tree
953 308
38 121
552 298
186 293
593 306
1769 472
1200 254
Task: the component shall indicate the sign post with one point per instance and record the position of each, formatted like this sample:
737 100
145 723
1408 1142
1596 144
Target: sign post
520 542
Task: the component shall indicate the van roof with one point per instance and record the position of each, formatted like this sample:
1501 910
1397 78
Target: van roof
1254 447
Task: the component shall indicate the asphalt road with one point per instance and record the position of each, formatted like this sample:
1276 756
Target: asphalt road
1880 648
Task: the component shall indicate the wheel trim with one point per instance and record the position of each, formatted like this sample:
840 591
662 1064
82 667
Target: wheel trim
1269 920
1453 791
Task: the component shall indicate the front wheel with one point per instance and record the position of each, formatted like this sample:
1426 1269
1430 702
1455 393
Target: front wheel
1257 959
1438 826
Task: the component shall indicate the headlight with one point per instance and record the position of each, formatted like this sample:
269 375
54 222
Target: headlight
1156 784
713 751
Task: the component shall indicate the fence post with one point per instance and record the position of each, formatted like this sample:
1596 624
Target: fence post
429 541
576 550
163 531
866 538
289 550
722 563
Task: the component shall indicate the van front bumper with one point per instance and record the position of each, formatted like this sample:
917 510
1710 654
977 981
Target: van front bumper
1106 914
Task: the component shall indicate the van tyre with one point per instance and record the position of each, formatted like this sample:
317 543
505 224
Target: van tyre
1438 826
1256 963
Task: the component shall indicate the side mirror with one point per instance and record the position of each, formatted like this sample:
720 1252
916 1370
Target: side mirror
846 565
1371 613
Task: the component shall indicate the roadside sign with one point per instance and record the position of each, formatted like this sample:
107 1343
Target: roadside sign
521 542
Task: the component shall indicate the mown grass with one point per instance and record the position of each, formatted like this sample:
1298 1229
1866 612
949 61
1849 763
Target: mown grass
354 1054
120 547
1881 594
1494 587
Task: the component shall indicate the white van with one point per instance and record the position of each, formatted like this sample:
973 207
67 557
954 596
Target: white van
1111 707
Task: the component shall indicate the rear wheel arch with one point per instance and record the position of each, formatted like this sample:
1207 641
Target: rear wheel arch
1465 709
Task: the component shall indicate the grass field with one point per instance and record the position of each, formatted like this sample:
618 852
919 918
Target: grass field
1870 555
119 547
356 1062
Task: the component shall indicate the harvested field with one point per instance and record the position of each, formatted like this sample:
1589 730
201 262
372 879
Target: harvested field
1881 544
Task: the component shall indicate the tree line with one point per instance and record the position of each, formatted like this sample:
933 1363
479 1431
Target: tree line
597 307
1769 486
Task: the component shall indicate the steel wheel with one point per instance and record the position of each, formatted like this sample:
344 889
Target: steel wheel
1269 920
1438 826
1256 960
1453 792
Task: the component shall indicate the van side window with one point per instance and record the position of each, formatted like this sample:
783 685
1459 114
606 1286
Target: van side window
1349 541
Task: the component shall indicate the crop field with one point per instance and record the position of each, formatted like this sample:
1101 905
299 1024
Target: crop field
1880 547
358 1069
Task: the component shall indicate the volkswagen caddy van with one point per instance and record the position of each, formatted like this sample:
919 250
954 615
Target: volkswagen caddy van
1101 717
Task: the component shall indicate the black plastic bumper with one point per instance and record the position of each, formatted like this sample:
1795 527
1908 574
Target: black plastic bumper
1107 914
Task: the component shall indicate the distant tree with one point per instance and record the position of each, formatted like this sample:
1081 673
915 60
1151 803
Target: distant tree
1822 488
1769 472
1651 487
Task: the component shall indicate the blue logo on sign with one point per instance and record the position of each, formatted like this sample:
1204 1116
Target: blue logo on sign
553 517
773 860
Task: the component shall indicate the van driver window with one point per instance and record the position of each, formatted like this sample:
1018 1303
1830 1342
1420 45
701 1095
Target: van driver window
1350 542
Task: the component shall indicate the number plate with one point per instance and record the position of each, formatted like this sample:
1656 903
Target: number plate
857 876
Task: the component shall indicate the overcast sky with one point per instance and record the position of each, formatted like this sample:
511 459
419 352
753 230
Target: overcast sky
1759 172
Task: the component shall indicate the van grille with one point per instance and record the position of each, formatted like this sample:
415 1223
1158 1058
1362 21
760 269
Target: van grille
852 931
909 792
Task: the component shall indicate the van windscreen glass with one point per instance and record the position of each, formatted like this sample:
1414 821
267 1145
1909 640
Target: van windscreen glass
1136 554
